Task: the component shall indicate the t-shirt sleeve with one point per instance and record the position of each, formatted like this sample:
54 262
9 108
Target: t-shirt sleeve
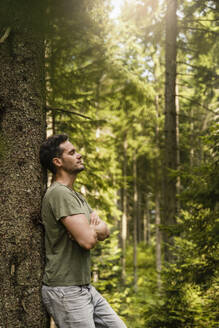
63 203
89 208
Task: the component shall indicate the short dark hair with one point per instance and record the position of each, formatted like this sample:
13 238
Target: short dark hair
49 149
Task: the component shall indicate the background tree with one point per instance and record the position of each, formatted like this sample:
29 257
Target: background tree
170 153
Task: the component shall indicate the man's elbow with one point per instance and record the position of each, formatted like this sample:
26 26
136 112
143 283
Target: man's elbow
88 244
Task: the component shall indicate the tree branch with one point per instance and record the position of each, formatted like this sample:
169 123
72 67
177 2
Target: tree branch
68 111
197 102
187 64
198 29
5 35
200 20
187 49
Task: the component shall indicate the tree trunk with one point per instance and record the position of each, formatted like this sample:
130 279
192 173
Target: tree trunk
170 202
139 217
50 102
178 181
23 128
158 239
145 225
124 213
191 157
157 200
146 221
135 206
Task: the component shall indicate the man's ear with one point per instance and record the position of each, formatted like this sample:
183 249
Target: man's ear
57 162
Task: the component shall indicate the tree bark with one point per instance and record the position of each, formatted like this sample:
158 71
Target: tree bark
135 206
178 181
23 128
191 157
139 217
157 201
148 221
145 225
170 202
124 213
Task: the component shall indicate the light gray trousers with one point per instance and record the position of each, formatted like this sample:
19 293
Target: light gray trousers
79 307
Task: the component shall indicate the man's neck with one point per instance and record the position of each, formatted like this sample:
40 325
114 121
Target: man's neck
65 179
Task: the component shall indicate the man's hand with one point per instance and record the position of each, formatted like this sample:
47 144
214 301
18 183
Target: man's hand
99 226
94 218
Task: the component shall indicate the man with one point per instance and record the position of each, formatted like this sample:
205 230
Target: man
72 228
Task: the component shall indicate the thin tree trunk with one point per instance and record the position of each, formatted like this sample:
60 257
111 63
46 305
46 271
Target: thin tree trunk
52 78
145 225
170 202
178 182
95 274
158 239
157 202
23 128
148 221
139 217
135 224
52 323
50 103
192 139
124 213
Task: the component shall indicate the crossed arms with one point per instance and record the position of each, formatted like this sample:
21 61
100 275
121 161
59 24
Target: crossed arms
85 234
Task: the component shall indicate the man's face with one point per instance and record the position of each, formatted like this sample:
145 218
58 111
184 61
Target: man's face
71 161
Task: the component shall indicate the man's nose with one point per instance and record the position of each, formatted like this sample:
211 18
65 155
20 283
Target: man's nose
79 155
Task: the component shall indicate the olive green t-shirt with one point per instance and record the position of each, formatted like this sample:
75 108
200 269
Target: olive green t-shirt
67 263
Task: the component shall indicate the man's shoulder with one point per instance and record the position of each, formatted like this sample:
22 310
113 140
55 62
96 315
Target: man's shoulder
56 189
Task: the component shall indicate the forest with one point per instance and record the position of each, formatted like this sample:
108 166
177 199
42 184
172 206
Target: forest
135 86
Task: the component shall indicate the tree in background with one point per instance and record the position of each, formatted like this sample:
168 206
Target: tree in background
170 129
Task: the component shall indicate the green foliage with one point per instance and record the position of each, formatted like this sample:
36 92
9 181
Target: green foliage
190 289
137 301
190 285
110 77
130 304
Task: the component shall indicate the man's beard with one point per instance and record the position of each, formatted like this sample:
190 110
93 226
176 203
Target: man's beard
74 170
79 169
